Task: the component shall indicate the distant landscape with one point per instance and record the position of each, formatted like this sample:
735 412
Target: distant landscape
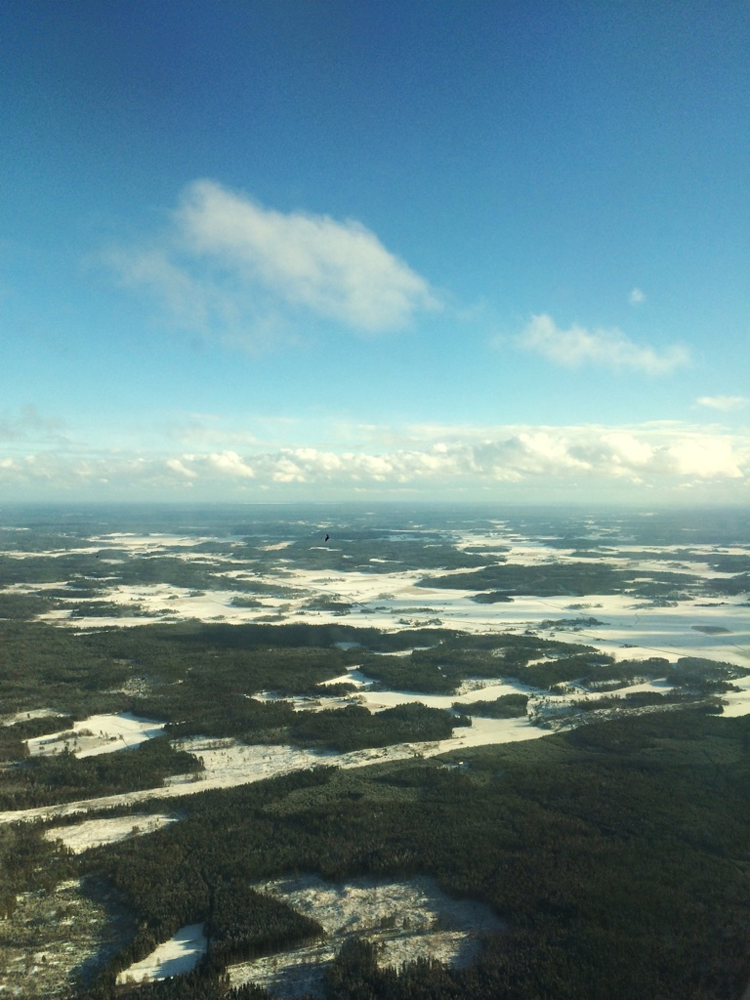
354 752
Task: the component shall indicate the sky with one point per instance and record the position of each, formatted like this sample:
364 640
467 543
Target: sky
333 250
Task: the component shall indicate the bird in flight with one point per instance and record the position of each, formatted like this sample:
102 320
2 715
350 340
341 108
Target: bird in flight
326 538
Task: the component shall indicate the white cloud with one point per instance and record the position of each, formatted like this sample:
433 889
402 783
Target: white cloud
706 457
230 463
429 460
724 403
241 273
610 348
337 269
178 466
636 297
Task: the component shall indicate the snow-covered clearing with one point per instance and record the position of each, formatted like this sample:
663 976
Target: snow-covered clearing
97 734
36 713
147 542
178 955
406 920
97 832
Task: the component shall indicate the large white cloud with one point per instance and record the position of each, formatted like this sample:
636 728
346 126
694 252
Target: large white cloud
609 348
337 269
241 272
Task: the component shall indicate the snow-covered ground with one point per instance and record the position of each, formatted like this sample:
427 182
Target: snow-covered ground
406 920
178 955
97 832
36 713
97 734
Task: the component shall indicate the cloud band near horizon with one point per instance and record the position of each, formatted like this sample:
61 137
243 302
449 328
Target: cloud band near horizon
646 456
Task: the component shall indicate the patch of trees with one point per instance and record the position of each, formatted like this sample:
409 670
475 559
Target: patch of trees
642 699
727 563
109 609
24 606
44 666
492 597
600 672
294 635
279 589
658 593
562 669
401 673
245 718
323 603
12 745
28 863
194 985
570 623
246 602
580 579
442 667
244 924
62 777
507 706
611 674
379 553
355 728
731 587
355 974
689 669
546 580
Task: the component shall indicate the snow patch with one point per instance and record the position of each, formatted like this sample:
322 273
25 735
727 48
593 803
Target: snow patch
405 920
97 734
178 955
97 832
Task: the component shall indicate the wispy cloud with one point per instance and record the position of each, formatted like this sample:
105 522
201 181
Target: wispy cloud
242 272
636 297
609 348
724 403
30 425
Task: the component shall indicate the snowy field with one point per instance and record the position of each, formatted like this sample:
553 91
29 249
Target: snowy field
98 832
97 734
406 920
173 957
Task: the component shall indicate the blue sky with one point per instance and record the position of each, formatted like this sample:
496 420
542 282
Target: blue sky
338 249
